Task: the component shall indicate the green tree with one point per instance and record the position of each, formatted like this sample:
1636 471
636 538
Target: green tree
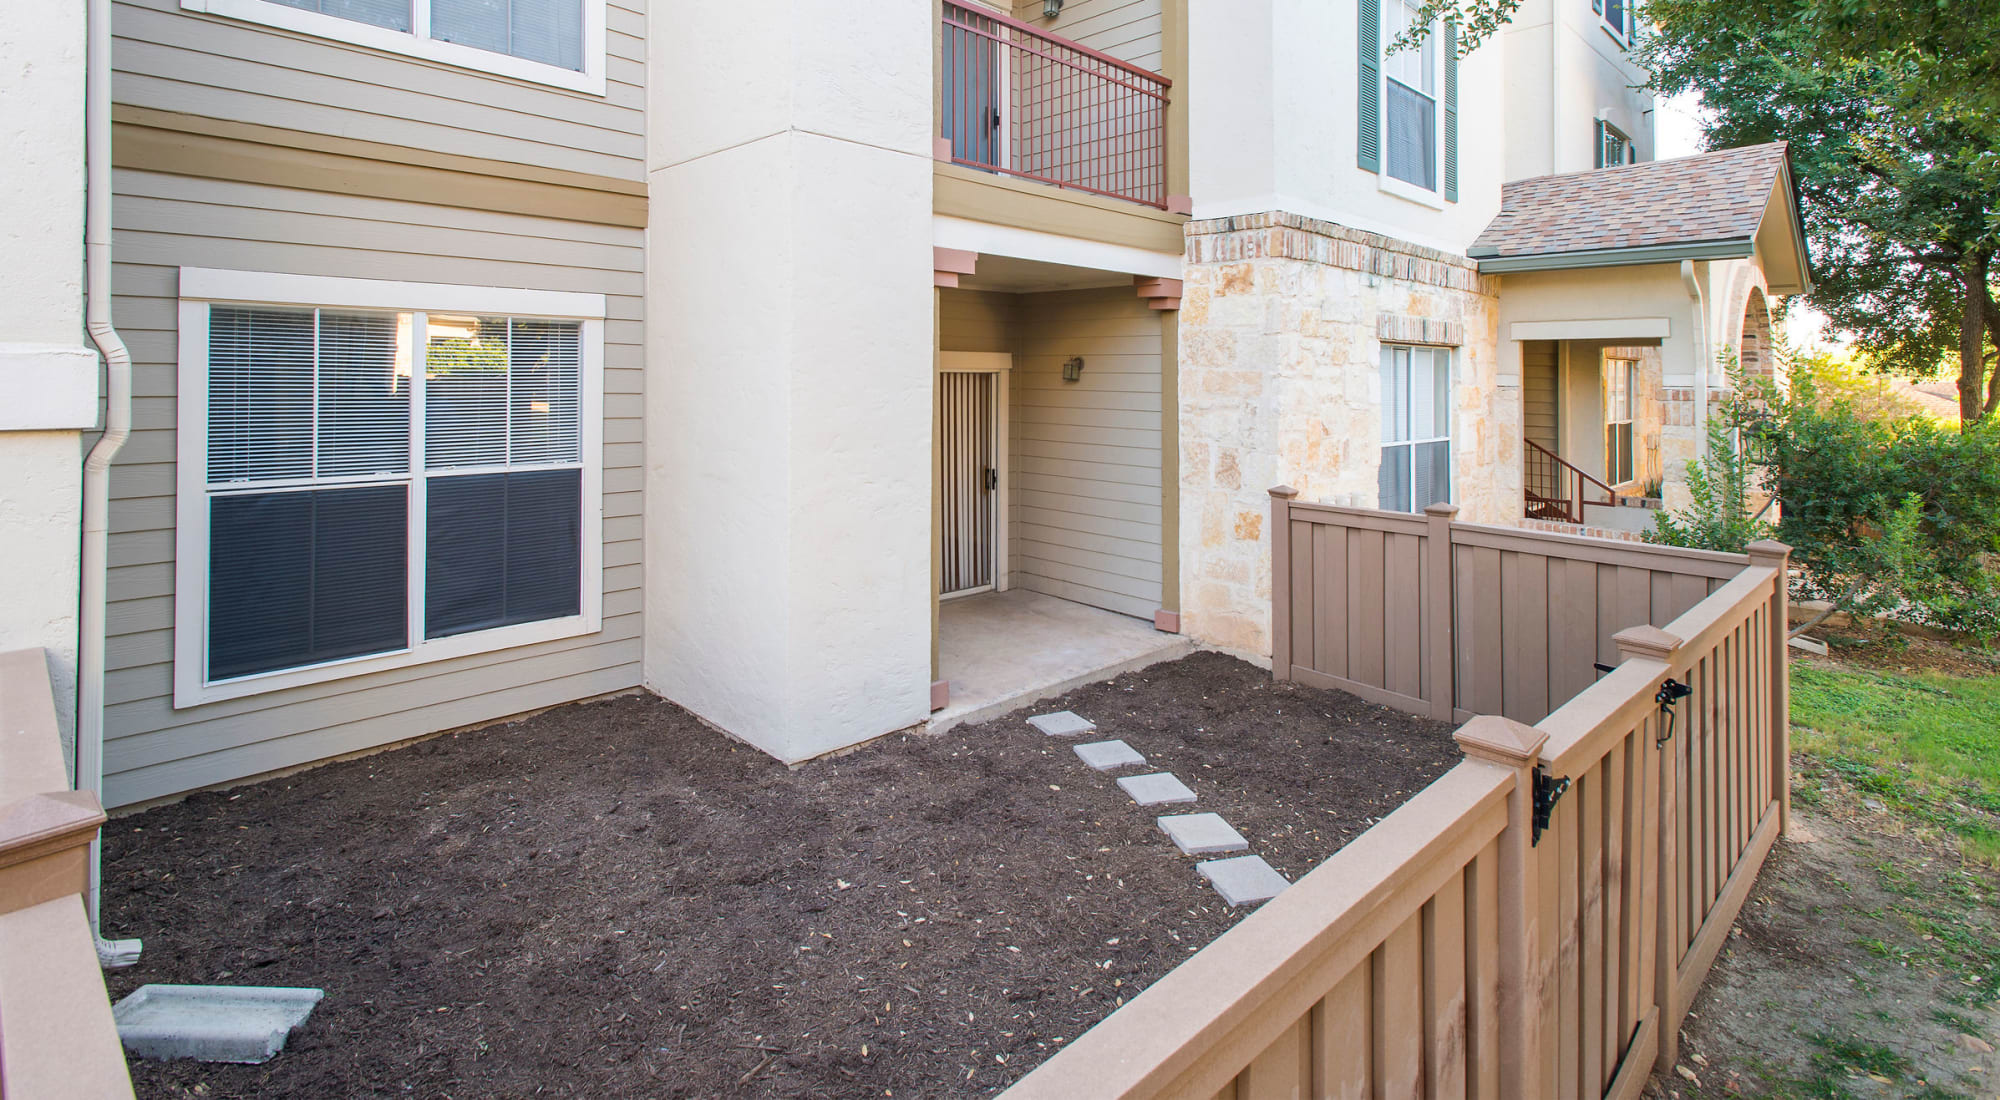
1898 168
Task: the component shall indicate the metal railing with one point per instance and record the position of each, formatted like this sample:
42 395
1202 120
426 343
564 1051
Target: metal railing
1555 488
1023 102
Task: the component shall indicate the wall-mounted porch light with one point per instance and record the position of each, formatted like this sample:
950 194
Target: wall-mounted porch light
1072 368
1051 8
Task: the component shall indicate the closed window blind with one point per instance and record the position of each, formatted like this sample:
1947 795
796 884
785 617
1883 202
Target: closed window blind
314 487
548 31
1410 100
1416 428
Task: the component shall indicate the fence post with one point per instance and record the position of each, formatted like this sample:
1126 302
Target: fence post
1281 581
1527 984
1443 609
1778 556
1650 643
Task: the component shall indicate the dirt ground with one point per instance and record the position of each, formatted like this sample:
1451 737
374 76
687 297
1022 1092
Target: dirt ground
1867 961
612 900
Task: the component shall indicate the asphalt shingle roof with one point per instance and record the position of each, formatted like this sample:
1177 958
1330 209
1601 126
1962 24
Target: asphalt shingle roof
1717 196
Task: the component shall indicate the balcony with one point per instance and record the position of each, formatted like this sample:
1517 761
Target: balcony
1025 103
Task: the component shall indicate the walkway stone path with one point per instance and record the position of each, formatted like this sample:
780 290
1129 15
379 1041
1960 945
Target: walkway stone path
1241 880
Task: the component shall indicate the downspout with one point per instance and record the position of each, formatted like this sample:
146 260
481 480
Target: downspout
1700 342
97 467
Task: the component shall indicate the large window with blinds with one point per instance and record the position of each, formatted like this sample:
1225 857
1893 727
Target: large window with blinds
1416 428
552 41
364 484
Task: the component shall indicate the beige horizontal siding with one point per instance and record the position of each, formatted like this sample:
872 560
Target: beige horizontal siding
1084 456
164 222
1128 30
206 65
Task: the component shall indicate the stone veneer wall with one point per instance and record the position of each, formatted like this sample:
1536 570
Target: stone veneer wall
1282 323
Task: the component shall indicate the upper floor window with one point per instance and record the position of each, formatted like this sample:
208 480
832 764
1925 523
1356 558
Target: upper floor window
1410 100
1613 147
559 42
1618 17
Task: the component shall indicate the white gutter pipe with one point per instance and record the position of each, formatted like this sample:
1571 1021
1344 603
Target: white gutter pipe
1699 340
97 467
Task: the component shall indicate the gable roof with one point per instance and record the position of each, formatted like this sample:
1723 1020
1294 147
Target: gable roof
1718 205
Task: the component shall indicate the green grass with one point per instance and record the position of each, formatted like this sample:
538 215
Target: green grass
1926 744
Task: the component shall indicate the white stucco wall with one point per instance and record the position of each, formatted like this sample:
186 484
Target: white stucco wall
789 373
1273 124
1565 70
41 333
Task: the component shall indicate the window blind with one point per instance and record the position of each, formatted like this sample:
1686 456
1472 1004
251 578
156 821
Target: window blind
1416 428
393 14
549 31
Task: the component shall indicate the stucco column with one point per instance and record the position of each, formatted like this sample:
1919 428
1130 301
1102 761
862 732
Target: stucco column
789 369
48 374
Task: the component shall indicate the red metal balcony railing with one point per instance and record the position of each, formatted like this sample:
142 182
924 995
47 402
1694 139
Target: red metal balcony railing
1024 102
1556 489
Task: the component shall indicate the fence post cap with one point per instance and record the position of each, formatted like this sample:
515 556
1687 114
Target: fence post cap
1442 511
1500 740
1767 550
1647 642
1285 492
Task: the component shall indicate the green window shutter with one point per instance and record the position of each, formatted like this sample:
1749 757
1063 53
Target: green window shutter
1450 111
1597 158
1369 116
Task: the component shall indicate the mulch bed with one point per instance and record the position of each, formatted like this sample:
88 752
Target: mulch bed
611 899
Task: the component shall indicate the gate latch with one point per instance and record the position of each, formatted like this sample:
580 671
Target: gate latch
1671 692
1548 791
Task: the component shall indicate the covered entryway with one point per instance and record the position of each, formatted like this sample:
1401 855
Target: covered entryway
1055 507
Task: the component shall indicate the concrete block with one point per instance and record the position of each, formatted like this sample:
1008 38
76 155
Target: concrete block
1063 723
211 1023
1156 789
1202 834
1108 756
1243 880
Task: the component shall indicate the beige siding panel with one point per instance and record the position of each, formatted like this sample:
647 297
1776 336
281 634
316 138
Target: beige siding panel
1128 30
153 750
1538 393
973 320
1085 456
207 65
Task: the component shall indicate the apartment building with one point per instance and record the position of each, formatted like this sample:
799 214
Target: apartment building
828 373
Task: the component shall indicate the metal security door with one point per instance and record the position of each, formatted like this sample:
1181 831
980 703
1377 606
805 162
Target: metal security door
970 480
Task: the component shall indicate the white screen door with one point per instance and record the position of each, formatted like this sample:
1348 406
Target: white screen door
972 486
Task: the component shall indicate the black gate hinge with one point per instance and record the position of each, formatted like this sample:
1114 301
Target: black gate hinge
1548 791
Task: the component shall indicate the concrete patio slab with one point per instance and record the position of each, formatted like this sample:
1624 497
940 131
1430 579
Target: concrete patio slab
1107 756
1243 880
1002 651
1202 834
1063 723
1157 789
211 1023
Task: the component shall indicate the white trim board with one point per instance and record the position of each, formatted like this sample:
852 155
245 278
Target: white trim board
1028 244
1636 329
418 43
192 491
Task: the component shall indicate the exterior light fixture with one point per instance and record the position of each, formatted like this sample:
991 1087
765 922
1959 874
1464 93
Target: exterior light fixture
1072 368
1051 8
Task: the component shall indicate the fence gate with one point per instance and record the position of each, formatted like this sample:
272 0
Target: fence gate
970 479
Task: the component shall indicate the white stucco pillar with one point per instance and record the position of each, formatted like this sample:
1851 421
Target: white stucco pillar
48 375
789 369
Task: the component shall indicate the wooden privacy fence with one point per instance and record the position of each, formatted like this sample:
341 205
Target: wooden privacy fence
56 1034
1532 924
1503 620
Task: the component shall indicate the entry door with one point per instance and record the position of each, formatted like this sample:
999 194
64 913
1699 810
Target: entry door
972 480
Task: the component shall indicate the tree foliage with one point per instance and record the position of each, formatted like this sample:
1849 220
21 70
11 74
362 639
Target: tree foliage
1898 165
1718 515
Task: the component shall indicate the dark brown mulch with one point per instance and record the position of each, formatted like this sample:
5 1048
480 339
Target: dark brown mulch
612 900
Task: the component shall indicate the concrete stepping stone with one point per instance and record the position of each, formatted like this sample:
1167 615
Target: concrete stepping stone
1243 880
1108 756
1202 834
211 1023
1063 723
1156 789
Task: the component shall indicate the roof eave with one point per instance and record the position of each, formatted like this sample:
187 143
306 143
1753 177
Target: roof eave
1731 249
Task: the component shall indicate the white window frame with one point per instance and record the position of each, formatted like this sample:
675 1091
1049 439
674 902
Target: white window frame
417 42
1629 370
1450 436
1621 35
1403 189
201 288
